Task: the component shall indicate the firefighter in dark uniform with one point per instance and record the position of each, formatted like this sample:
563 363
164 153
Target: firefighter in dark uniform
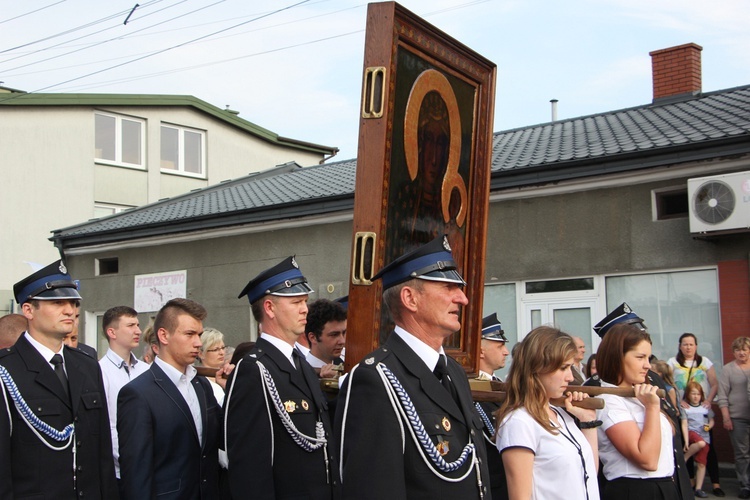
405 418
278 431
624 314
54 427
492 356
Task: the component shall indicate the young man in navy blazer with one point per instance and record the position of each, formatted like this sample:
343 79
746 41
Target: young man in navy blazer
168 420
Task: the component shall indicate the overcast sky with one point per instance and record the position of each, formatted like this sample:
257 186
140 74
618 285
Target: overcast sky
295 67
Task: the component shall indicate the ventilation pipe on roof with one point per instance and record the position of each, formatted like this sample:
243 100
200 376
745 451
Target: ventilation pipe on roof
553 102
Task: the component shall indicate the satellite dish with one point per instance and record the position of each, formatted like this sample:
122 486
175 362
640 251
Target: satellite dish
713 202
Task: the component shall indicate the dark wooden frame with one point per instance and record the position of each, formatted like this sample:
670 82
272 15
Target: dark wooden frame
405 58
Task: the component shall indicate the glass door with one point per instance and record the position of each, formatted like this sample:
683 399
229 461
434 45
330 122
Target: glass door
575 317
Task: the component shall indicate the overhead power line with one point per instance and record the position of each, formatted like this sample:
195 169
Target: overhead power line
77 28
31 12
119 37
166 49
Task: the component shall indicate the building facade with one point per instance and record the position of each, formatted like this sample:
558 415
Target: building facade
73 157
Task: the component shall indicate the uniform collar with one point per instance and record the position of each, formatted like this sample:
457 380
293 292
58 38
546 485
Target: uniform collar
426 353
43 350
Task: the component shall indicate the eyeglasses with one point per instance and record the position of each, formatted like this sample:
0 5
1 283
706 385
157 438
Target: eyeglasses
217 349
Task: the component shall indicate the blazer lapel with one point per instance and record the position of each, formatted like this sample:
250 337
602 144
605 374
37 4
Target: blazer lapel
313 382
467 404
76 381
45 375
283 364
427 380
166 385
201 394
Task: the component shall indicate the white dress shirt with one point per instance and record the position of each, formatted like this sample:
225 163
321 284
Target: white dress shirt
426 353
183 381
314 361
46 352
285 348
115 376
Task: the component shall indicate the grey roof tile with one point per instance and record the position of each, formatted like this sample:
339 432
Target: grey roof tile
603 137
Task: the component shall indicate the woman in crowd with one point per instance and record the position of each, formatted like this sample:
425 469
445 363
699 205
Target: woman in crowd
212 356
591 369
545 453
635 439
665 372
151 347
689 366
734 402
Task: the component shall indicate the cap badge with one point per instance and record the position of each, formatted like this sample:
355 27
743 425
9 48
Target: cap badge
63 269
446 245
305 405
294 263
290 406
626 308
446 424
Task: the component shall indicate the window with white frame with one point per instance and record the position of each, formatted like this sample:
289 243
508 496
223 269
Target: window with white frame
104 209
673 303
183 150
119 140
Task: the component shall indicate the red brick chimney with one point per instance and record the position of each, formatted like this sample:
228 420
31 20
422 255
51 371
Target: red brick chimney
676 71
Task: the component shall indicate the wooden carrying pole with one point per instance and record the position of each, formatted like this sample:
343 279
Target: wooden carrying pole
589 389
499 397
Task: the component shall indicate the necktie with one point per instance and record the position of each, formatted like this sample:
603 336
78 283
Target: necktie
295 357
126 368
441 372
57 361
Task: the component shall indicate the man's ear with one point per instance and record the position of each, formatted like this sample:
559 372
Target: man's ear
163 336
409 298
27 309
269 308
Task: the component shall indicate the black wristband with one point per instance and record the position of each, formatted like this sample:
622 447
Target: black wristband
589 425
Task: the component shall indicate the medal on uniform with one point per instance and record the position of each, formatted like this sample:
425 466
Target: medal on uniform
446 424
305 405
443 447
290 406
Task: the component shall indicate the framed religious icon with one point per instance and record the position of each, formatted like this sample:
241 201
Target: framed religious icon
423 168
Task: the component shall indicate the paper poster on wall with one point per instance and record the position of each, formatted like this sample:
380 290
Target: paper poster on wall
152 291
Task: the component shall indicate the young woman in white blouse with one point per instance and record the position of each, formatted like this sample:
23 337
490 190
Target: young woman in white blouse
545 453
635 439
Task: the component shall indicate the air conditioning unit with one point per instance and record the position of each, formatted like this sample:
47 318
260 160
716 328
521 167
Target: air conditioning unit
720 203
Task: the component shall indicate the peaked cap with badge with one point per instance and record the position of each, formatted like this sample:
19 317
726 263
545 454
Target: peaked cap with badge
283 279
621 314
492 329
432 261
49 283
